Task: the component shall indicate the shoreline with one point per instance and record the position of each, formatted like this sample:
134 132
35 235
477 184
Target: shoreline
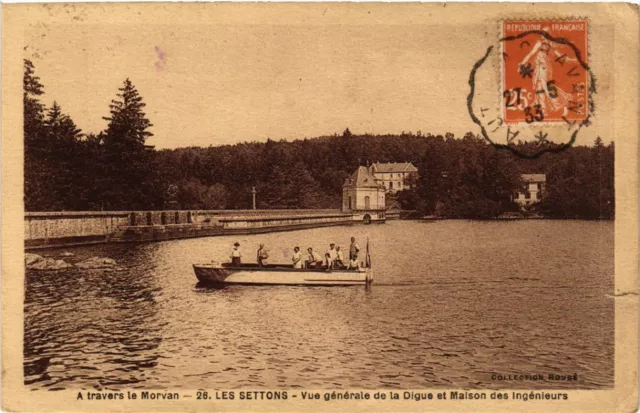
157 233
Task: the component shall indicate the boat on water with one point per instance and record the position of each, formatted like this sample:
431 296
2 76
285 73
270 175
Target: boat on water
279 274
283 274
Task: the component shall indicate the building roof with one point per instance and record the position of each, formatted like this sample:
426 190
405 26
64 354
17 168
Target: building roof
361 178
394 167
534 177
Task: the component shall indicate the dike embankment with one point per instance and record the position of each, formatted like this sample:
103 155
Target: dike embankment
59 229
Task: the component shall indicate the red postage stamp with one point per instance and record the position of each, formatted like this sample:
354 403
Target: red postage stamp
545 71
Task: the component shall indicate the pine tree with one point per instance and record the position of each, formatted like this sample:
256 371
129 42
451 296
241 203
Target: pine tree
71 176
127 123
35 171
128 176
33 108
53 176
61 130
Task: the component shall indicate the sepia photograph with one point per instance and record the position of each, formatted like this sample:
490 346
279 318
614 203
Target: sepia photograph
292 207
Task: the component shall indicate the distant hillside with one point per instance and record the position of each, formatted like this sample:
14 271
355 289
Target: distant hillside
463 177
305 173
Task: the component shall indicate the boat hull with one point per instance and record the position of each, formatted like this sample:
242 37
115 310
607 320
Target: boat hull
275 275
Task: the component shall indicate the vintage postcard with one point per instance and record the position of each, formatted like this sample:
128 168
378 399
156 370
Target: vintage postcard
217 207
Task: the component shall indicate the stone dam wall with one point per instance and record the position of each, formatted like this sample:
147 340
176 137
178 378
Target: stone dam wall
54 229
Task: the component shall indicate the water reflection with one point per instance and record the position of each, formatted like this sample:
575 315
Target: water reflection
95 328
452 304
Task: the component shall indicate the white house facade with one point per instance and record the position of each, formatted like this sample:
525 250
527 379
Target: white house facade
394 176
533 189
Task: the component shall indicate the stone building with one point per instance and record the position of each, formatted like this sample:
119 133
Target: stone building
363 192
533 189
395 176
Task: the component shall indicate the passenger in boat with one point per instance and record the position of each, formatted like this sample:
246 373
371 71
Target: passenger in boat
262 256
297 258
314 260
353 249
236 255
332 251
339 261
328 261
354 264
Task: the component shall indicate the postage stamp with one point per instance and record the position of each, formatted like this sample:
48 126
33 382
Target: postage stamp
544 86
545 71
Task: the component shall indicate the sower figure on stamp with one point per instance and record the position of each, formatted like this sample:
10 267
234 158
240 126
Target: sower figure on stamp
262 256
236 255
549 96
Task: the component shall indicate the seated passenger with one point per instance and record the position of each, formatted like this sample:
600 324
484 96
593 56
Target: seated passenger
354 264
314 259
297 258
328 262
332 251
339 260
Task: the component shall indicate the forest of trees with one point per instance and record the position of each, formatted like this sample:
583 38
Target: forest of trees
465 177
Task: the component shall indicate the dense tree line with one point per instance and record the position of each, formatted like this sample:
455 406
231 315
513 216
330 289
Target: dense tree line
68 170
468 178
458 177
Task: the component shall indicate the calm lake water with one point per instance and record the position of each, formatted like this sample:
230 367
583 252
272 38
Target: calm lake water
453 303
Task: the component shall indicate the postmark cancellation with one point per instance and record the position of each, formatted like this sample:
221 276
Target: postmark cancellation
546 87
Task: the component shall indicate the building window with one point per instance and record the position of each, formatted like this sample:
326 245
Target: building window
367 202
390 185
349 202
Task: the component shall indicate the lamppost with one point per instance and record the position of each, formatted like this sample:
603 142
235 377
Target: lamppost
253 193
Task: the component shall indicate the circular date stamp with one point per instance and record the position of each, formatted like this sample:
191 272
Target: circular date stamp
546 87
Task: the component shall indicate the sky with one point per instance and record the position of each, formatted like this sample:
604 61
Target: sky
213 84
